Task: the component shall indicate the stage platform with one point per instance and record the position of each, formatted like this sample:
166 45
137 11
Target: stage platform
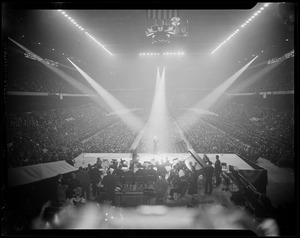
90 158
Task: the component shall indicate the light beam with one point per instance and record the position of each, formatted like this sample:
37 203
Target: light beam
188 119
132 121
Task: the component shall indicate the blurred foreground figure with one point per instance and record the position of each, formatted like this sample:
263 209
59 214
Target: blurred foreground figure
95 216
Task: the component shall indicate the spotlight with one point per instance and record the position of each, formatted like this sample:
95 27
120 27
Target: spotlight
147 53
66 15
59 10
261 8
63 13
259 11
82 29
52 49
69 18
255 14
266 4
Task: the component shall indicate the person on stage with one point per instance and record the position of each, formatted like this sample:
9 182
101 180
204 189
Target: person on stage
155 144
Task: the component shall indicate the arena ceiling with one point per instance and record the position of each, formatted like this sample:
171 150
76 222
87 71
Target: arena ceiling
122 32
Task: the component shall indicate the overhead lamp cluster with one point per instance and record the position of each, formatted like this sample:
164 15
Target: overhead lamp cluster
81 28
94 39
165 53
243 25
255 14
71 19
235 32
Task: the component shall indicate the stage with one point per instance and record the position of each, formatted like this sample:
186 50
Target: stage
90 158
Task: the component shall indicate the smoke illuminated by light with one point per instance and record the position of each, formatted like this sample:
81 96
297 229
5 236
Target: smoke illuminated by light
81 87
188 119
257 76
132 121
157 123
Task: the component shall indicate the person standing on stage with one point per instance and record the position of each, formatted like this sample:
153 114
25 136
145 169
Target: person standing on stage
155 143
208 175
218 170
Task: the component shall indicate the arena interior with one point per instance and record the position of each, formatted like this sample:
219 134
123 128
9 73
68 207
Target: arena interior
92 96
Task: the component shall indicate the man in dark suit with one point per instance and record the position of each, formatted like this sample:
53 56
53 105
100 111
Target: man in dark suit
84 180
95 176
208 175
109 183
218 170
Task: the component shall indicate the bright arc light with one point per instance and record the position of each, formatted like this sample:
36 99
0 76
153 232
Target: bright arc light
262 8
266 4
63 13
255 14
259 11
59 10
66 15
69 18
82 29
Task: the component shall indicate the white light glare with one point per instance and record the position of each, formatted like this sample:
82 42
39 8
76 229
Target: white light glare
59 10
266 4
262 8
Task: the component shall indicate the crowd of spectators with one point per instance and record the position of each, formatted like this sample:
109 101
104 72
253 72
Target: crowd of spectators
63 133
267 132
44 136
281 78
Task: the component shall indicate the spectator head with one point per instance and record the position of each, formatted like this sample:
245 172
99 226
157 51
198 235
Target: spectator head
80 168
209 162
77 192
217 157
73 175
